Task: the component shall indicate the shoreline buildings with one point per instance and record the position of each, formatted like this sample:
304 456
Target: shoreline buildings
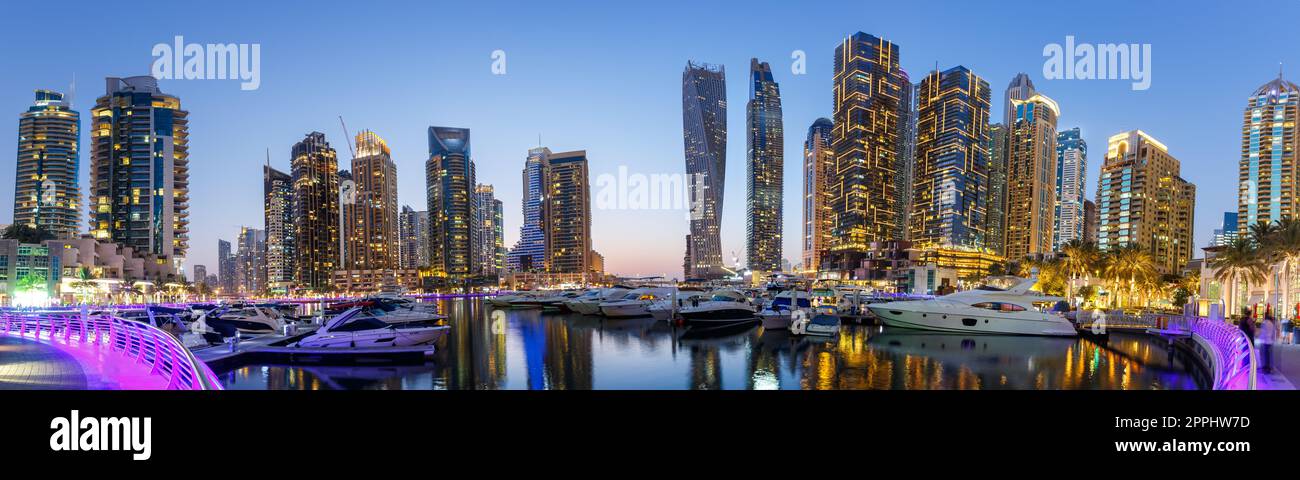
372 237
316 211
1268 171
529 253
765 146
46 185
281 248
414 233
139 169
1031 176
1142 200
704 134
449 176
1071 182
818 172
867 95
951 178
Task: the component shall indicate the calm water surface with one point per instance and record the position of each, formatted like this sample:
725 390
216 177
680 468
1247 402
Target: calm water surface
526 349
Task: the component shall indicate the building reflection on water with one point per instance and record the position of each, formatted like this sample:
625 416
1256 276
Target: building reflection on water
526 349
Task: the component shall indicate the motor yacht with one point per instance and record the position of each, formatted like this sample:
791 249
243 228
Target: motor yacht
229 322
664 309
635 303
983 310
723 306
589 303
776 315
352 329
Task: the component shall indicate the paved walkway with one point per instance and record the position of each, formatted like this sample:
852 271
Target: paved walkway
31 365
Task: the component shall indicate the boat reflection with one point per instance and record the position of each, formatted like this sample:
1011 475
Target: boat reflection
528 349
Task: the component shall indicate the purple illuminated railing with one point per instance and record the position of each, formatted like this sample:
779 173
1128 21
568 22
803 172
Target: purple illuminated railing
137 344
1231 353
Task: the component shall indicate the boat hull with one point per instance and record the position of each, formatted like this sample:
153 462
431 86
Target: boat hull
964 321
625 310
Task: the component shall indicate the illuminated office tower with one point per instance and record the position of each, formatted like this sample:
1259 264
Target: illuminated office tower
818 173
1142 200
704 133
1031 177
950 186
567 217
868 87
490 250
371 241
1269 174
139 169
529 253
449 176
316 211
1090 222
765 148
1071 168
996 220
277 192
46 192
414 230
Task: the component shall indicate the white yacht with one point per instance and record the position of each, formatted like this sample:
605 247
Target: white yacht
723 306
635 303
244 320
664 309
354 328
983 310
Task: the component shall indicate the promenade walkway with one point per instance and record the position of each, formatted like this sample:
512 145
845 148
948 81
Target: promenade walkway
30 365
1286 369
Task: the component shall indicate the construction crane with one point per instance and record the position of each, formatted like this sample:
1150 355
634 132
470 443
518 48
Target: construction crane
347 137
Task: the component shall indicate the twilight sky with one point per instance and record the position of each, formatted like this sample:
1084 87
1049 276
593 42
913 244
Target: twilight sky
606 77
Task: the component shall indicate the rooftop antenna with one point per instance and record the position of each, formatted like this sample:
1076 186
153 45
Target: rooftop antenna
268 156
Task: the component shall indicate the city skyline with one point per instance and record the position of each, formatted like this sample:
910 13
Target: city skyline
218 171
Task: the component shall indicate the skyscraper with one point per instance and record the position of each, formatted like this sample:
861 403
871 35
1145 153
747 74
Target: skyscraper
906 161
567 221
139 168
200 275
1143 201
46 191
950 183
529 254
316 211
490 250
704 133
1269 175
225 266
1020 88
818 173
868 89
281 234
1071 170
250 262
449 176
1090 221
1227 231
995 231
372 241
765 147
415 238
1031 177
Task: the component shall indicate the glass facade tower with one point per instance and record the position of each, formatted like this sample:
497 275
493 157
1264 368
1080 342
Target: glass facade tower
46 191
765 148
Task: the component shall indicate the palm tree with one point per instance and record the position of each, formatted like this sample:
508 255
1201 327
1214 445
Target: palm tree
1081 260
1238 261
1264 235
1130 268
1286 246
84 284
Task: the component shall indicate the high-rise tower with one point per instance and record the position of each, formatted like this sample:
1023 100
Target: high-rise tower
1071 170
704 133
766 162
950 182
1031 177
449 176
1269 175
818 173
316 211
46 192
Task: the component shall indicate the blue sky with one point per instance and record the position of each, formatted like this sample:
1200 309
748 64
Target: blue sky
606 77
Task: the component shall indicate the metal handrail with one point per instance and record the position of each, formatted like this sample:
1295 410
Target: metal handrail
1234 354
163 354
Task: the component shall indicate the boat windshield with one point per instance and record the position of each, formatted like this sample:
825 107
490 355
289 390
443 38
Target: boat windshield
357 324
722 297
